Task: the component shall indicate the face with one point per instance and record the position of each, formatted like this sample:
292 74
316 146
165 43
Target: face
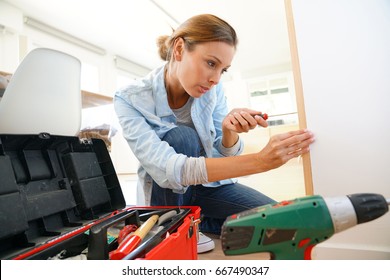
200 69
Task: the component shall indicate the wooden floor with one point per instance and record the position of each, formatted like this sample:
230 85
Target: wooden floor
217 253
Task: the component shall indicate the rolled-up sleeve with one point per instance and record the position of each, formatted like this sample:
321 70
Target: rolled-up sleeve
236 149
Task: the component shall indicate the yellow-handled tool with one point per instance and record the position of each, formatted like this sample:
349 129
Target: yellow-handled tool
134 239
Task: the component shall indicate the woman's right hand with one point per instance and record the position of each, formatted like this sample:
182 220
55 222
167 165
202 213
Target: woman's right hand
283 147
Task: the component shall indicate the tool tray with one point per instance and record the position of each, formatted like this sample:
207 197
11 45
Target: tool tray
61 194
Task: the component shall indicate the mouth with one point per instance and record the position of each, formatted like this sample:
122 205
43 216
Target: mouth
204 89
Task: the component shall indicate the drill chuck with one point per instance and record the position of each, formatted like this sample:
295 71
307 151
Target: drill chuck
368 206
348 211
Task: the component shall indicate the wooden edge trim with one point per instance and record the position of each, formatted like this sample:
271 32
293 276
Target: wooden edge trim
90 99
306 161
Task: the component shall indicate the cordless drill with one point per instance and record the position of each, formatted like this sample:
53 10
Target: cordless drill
290 229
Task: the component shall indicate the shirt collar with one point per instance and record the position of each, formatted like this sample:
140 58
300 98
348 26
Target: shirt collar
160 94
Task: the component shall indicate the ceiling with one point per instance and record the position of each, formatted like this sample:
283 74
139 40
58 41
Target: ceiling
129 28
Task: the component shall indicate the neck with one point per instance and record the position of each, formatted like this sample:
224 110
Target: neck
176 95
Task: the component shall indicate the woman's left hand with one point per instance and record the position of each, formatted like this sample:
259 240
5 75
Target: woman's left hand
242 120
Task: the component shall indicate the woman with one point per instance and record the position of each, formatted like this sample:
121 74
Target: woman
177 124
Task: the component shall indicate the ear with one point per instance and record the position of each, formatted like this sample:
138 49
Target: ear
178 48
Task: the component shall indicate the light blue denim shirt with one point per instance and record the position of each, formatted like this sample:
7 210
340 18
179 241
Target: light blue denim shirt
145 116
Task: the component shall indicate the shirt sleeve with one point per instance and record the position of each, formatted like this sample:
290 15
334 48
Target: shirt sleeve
232 151
194 171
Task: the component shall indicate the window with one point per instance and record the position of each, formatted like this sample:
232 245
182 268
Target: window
89 78
275 96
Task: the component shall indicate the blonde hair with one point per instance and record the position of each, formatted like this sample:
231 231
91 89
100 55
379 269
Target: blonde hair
198 29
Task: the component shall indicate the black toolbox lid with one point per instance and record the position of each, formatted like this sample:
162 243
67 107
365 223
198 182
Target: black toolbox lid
50 185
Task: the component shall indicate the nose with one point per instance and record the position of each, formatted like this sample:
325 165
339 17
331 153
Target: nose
214 78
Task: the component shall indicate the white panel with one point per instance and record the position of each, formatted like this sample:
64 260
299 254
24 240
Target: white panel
344 52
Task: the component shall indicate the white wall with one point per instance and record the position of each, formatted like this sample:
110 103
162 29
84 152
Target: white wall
11 23
344 53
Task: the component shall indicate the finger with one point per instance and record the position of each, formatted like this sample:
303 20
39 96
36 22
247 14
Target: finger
292 133
232 119
242 122
298 152
296 136
260 121
251 121
253 114
301 147
249 111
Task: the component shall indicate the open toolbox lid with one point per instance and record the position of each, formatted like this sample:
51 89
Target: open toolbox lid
50 185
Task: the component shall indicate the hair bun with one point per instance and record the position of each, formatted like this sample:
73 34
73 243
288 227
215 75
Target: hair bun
162 44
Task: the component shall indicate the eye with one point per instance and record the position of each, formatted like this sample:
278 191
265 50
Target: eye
224 71
211 63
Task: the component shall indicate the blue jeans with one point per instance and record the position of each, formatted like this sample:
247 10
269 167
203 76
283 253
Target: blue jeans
216 203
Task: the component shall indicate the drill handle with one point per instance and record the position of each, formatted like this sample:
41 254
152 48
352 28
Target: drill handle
300 253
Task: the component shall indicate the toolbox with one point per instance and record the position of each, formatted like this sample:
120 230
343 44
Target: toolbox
60 198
